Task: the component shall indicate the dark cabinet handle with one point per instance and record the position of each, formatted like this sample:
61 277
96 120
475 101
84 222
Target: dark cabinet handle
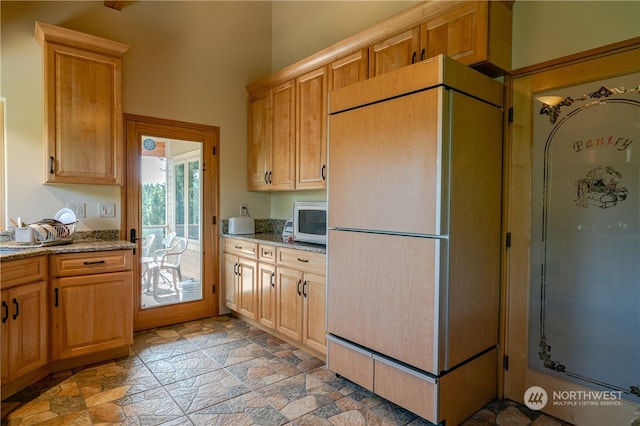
273 282
304 293
51 163
299 292
265 177
270 181
422 54
15 302
56 302
322 172
94 262
303 260
235 269
413 58
5 314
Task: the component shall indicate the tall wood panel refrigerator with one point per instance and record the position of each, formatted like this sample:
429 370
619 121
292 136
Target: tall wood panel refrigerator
414 217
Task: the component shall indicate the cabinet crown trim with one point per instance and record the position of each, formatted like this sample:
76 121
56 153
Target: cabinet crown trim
53 34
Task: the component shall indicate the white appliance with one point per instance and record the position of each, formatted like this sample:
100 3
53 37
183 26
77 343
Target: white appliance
310 221
242 225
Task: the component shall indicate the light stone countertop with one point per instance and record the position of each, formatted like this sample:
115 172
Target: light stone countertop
12 253
277 240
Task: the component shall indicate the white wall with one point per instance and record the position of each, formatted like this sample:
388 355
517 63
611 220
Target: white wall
545 30
187 61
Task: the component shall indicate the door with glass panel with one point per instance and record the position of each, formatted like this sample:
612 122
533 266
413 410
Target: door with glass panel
171 188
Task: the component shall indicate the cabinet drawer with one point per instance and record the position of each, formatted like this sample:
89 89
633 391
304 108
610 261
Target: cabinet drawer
301 260
241 248
70 264
350 361
266 253
21 271
412 390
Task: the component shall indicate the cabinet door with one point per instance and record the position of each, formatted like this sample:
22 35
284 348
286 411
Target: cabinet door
313 291
311 140
259 142
28 343
91 313
282 170
290 302
476 33
394 52
4 338
247 305
403 162
83 97
383 294
229 274
267 294
348 70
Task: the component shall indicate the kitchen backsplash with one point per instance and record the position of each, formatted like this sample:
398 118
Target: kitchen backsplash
263 226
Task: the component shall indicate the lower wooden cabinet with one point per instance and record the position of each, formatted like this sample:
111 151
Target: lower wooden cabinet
283 290
82 314
90 314
239 273
91 298
24 330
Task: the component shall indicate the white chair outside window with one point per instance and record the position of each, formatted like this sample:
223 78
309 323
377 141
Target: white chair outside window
168 260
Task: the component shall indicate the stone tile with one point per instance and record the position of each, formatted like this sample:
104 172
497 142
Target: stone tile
272 343
205 390
343 412
484 417
247 409
180 367
393 413
129 373
545 420
206 339
235 352
156 349
262 371
299 358
299 395
512 416
153 407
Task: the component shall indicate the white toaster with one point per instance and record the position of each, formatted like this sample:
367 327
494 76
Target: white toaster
242 225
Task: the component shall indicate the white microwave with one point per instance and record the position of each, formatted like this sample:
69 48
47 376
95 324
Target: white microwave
310 221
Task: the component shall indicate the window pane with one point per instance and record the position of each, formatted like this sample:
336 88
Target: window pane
194 200
179 199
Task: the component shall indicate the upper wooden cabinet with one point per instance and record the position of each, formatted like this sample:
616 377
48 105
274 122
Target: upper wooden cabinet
394 52
83 106
477 34
271 136
311 136
348 70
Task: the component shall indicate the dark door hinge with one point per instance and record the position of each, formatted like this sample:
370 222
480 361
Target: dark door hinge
505 363
510 115
214 150
214 220
508 240
213 289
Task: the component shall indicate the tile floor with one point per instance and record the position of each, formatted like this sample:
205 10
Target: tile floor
219 371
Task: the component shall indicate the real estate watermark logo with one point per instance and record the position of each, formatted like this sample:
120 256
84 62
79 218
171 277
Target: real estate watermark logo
536 398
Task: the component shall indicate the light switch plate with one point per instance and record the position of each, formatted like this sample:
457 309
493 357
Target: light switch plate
78 209
106 210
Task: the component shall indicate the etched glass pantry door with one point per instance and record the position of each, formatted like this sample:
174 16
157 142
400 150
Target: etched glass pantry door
584 313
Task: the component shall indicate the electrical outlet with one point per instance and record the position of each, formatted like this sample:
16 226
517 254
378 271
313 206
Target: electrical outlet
78 209
106 210
244 210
